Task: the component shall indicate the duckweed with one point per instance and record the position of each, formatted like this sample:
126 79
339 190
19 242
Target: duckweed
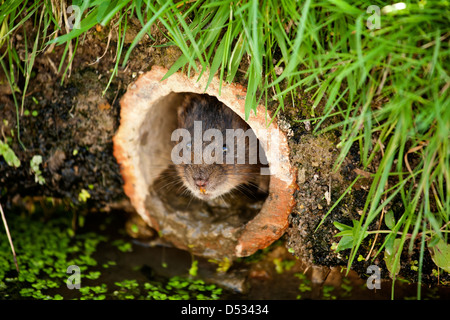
179 288
44 251
122 245
305 285
326 291
47 247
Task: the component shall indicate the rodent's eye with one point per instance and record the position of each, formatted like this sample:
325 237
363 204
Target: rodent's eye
225 148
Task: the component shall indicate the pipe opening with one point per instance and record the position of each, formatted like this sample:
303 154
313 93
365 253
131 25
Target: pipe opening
212 227
180 214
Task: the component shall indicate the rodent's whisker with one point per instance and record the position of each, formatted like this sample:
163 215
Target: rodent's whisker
247 190
253 184
190 200
173 183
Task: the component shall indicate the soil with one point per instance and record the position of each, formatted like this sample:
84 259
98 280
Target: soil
76 119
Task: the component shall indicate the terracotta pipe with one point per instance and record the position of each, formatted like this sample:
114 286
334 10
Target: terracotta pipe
147 118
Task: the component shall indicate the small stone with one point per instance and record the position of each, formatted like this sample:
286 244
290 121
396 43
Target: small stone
301 176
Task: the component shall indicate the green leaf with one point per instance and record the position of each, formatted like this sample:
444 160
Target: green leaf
433 241
217 61
440 254
389 219
346 242
390 243
182 60
392 263
341 226
235 58
194 268
9 155
345 233
346 7
35 162
83 195
93 275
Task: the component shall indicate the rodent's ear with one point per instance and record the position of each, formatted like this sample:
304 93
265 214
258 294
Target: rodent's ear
181 112
182 109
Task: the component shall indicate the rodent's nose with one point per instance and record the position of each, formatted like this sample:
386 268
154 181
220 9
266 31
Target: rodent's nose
201 182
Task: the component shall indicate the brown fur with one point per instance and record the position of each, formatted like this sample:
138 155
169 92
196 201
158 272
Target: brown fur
215 179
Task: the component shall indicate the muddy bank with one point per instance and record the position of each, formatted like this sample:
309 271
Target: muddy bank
70 123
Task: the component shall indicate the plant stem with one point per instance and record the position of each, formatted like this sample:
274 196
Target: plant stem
9 238
409 235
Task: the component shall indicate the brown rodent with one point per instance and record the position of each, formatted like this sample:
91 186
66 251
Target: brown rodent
208 180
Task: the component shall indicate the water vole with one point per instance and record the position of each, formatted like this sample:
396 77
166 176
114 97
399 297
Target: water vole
228 148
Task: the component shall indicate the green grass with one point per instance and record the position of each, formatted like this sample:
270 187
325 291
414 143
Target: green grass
387 89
